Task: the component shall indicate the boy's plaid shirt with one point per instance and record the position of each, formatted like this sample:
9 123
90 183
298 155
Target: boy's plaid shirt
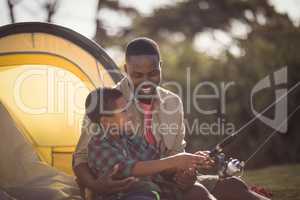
105 152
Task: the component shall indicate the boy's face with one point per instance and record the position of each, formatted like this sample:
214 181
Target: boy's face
118 120
145 74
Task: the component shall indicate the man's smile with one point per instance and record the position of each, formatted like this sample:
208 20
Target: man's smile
147 89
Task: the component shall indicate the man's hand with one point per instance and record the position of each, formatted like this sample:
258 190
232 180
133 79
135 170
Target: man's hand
185 178
107 185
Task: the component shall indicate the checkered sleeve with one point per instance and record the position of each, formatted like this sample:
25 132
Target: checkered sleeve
102 157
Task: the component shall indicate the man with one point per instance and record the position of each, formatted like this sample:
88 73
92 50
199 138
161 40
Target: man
115 144
157 114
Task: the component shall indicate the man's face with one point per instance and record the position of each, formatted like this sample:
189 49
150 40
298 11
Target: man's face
145 74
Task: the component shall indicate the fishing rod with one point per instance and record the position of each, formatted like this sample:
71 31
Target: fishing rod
232 166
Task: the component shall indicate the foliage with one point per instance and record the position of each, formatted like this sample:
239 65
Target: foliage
272 43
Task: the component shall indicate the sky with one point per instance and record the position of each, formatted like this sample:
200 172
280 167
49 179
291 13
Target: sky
80 17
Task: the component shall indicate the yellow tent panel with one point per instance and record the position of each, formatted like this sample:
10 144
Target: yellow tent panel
46 72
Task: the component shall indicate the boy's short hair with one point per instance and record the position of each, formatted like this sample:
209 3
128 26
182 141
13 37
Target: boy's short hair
142 46
101 102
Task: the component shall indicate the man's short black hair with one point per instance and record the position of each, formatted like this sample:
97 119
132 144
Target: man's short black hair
101 102
142 46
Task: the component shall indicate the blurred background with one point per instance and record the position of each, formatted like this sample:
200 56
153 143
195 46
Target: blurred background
239 41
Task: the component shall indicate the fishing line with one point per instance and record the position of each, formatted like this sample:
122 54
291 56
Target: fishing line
271 135
267 108
230 138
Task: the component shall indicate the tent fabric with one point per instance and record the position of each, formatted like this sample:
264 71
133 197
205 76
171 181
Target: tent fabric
46 72
73 39
23 174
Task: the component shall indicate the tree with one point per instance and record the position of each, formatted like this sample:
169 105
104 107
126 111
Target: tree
101 35
51 7
11 4
272 42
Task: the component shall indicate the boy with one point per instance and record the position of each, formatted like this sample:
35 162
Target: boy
114 144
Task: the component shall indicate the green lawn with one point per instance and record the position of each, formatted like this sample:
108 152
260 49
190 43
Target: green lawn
283 181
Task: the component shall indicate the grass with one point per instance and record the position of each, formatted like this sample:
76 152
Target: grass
283 181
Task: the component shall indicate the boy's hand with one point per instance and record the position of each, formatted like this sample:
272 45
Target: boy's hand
187 161
107 185
208 162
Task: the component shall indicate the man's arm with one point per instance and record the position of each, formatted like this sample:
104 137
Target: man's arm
184 178
105 184
179 142
84 176
80 166
178 145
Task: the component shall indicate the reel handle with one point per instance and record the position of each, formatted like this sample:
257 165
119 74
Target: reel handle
226 168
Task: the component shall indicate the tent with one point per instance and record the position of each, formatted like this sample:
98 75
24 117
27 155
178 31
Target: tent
46 72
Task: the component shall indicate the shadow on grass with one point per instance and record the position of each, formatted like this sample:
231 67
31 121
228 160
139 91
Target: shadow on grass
283 181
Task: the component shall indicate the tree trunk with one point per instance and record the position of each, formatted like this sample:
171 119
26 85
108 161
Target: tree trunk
51 7
100 31
11 11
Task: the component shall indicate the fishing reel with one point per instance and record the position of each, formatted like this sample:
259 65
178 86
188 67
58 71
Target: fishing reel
228 168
